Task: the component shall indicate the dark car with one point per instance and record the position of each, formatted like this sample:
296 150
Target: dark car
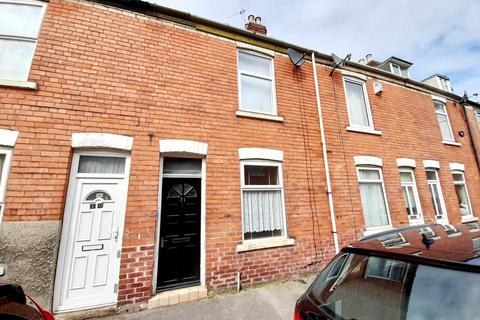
414 273
16 305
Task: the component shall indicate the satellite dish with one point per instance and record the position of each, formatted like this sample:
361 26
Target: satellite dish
296 57
339 62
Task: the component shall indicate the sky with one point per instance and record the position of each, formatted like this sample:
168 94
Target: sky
437 36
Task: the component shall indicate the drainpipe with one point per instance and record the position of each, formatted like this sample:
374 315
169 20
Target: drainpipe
325 158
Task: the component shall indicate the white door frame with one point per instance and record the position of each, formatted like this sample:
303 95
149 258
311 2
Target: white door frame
203 187
65 243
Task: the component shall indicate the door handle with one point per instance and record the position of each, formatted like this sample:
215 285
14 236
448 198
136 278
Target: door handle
115 235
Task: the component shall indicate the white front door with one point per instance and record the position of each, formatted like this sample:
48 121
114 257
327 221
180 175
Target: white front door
88 268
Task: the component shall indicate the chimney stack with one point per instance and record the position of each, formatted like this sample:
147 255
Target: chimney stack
255 25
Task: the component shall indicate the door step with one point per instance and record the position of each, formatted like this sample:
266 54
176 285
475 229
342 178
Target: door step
168 298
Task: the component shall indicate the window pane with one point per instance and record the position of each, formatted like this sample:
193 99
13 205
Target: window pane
256 94
262 213
439 107
20 20
396 70
458 177
462 199
2 162
369 174
261 175
93 164
437 205
254 64
431 175
406 177
356 104
373 204
413 202
15 59
182 166
444 127
404 73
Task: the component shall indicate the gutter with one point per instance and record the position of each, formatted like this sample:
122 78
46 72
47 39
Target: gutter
325 157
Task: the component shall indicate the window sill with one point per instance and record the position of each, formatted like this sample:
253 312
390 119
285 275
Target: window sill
19 84
364 130
452 143
264 244
469 219
263 116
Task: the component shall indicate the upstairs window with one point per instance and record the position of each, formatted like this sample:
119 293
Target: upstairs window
357 103
399 71
462 193
263 203
20 23
443 122
256 83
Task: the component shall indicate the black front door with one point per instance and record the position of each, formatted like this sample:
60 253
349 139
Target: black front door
179 253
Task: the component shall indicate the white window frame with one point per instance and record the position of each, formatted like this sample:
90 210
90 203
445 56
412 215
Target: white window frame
361 82
4 177
477 117
448 120
41 4
360 181
392 69
464 182
258 76
412 184
279 187
444 218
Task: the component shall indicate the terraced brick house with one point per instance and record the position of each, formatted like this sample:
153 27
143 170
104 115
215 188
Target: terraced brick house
145 151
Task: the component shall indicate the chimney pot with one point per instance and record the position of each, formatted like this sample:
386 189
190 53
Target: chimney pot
255 25
362 61
368 57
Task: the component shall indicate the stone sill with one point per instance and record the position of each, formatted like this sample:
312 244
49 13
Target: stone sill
364 130
469 219
263 116
452 143
19 84
264 244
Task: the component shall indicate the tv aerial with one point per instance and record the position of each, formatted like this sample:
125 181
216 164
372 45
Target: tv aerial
296 57
339 62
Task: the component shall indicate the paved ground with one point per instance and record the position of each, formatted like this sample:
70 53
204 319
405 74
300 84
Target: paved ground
274 301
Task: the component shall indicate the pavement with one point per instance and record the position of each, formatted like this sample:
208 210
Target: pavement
274 301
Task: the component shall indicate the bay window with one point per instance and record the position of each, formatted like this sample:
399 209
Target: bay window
20 23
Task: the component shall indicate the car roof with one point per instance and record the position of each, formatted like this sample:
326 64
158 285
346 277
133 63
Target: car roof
459 244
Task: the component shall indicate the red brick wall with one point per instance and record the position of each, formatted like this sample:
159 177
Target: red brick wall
103 71
410 129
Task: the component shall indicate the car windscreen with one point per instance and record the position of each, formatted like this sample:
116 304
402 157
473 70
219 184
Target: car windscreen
361 287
